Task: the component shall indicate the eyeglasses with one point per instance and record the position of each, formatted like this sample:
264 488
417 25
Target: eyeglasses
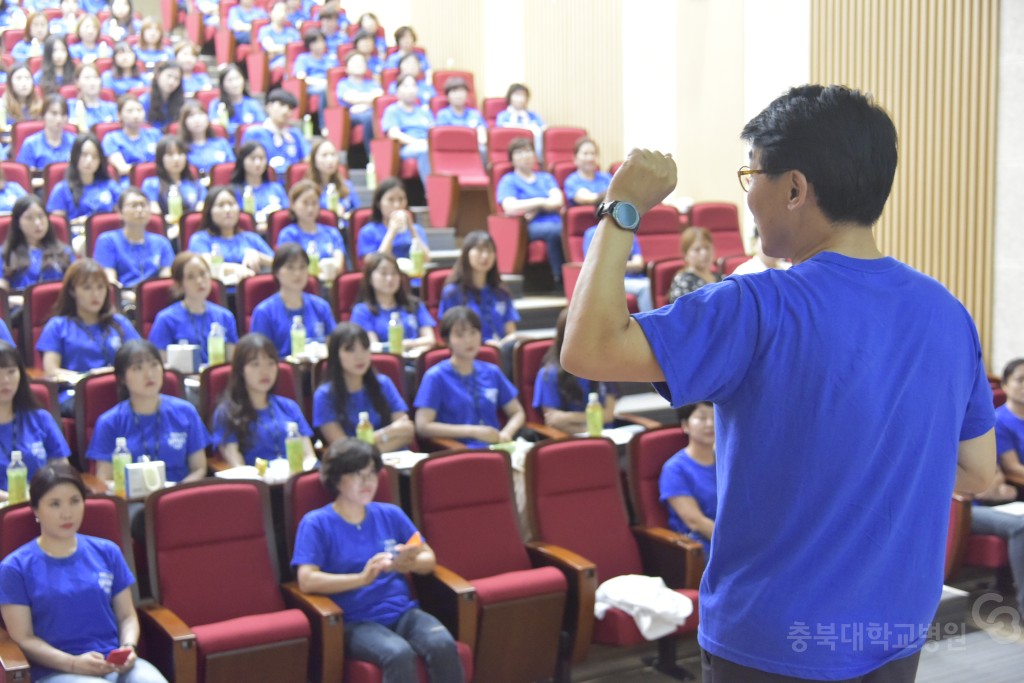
744 175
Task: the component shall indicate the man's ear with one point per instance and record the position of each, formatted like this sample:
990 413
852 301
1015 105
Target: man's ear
798 190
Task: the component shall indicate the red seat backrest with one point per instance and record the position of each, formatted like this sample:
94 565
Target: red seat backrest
529 358
155 295
99 223
39 301
492 106
662 273
346 289
17 173
646 455
441 78
433 285
498 140
577 220
562 170
723 220
209 567
455 151
379 105
360 217
659 233
574 496
252 290
463 503
141 171
559 142
220 174
213 382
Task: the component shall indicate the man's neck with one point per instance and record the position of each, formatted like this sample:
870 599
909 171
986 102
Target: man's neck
848 239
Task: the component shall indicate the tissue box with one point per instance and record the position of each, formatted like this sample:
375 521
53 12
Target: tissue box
185 358
143 478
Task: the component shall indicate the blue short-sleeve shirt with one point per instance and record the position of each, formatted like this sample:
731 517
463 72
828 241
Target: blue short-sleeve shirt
575 182
346 204
473 399
283 149
133 262
231 248
361 85
9 193
416 123
99 197
193 193
1009 431
267 433
84 347
495 308
134 150
35 272
39 438
358 402
206 155
681 475
378 322
372 235
327 239
37 153
469 118
176 323
248 111
514 186
273 319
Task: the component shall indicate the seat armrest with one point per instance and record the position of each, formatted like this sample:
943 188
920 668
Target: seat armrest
581 575
511 238
327 649
12 660
676 558
94 483
441 443
452 599
170 643
546 431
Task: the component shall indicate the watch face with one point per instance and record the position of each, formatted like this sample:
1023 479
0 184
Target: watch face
626 215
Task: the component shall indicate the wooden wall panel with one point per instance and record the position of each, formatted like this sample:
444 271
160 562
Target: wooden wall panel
453 33
933 64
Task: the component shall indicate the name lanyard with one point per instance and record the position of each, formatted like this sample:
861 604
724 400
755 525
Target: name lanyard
470 385
154 450
275 434
15 434
101 343
201 327
487 313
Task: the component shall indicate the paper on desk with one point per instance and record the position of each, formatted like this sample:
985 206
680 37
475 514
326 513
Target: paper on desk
1014 508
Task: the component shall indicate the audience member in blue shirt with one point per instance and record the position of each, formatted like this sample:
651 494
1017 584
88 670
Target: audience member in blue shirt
151 49
252 174
636 281
459 398
192 318
37 29
57 68
21 100
284 144
344 539
251 422
235 107
562 397
67 596
245 250
9 194
133 254
352 386
11 15
163 427
32 252
535 196
173 170
66 22
87 187
325 170
134 143
122 22
193 81
383 293
476 283
1010 421
410 64
405 39
369 25
124 74
334 24
326 240
97 110
240 18
459 113
85 331
165 98
391 230
588 183
52 143
313 64
687 485
205 149
516 115
366 44
273 37
89 47
273 317
25 426
409 123
357 91
300 11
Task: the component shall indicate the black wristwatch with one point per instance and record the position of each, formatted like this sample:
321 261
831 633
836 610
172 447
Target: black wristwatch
624 214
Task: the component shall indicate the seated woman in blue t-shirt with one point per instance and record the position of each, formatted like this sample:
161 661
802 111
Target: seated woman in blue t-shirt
352 386
156 425
518 115
687 484
173 170
251 422
408 122
251 178
324 240
87 187
133 143
359 553
32 252
325 170
235 107
313 64
133 254
86 331
275 315
391 229
475 282
459 398
244 252
24 426
52 144
410 65
166 95
124 74
588 183
563 397
66 599
383 293
192 318
205 149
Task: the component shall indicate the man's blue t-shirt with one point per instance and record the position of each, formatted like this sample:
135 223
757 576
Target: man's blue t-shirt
171 434
327 541
836 453
70 597
681 475
473 399
133 262
358 402
267 433
283 149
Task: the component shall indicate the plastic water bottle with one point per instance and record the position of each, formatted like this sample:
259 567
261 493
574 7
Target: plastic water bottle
332 198
174 205
364 430
396 334
80 119
216 261
249 201
307 126
416 255
120 459
222 115
216 353
3 115
294 448
371 175
298 336
17 479
314 258
595 415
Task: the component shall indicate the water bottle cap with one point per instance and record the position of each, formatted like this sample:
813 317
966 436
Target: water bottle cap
292 426
593 396
15 456
121 442
364 416
394 315
296 319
